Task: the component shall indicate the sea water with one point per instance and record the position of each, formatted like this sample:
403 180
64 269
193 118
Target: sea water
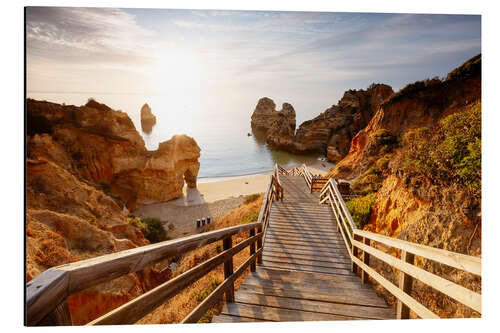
220 126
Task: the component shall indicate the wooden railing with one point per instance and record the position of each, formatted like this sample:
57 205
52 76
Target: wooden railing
314 182
46 295
361 243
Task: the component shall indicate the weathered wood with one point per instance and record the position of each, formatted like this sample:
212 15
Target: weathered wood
354 252
329 259
418 308
216 295
306 268
461 261
134 310
366 261
233 319
277 314
405 284
60 316
334 295
227 243
65 280
451 289
301 262
252 250
44 293
348 310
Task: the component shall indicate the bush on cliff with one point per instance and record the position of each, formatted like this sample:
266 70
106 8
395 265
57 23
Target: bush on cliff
151 227
361 209
449 153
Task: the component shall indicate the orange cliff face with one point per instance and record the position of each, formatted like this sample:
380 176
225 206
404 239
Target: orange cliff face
102 146
441 215
85 165
330 132
402 112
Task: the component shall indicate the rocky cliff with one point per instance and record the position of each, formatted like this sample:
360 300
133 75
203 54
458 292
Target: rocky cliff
265 115
420 159
330 132
148 119
85 166
102 146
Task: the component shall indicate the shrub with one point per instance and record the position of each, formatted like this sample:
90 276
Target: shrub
361 209
384 140
151 228
253 216
370 181
450 153
251 198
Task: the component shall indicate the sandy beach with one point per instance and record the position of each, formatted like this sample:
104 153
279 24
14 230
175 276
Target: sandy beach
213 198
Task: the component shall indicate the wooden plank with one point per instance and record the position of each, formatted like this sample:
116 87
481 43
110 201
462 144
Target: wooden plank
223 318
137 308
322 245
284 233
252 251
216 295
44 293
307 251
305 268
304 227
461 261
338 259
277 314
328 250
60 316
366 261
335 295
405 284
453 290
270 258
301 277
347 310
418 308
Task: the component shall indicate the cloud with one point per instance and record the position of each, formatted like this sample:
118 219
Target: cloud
85 35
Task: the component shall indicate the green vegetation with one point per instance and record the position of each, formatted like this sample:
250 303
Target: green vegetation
451 153
384 140
361 209
253 216
471 68
251 198
417 89
151 228
207 317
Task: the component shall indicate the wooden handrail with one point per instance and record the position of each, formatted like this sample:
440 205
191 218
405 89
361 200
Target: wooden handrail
356 239
46 291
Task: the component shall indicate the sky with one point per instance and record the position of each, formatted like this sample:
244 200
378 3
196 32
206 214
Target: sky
307 58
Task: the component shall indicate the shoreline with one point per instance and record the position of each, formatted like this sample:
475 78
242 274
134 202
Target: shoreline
212 198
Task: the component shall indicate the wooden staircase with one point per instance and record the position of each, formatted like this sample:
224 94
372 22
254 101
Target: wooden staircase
305 274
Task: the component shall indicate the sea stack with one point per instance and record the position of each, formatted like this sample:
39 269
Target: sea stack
265 115
148 119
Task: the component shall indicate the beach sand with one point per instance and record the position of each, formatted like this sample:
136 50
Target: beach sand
211 198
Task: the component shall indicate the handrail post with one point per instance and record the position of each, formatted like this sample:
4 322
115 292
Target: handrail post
366 261
259 245
252 251
227 243
354 267
60 316
405 284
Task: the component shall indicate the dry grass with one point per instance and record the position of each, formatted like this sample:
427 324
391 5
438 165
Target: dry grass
179 306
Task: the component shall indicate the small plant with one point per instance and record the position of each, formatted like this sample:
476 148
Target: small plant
253 216
370 181
251 198
218 248
384 140
151 227
361 209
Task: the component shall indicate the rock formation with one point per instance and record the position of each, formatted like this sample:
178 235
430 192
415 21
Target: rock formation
265 115
444 215
102 146
85 166
330 132
148 119
420 104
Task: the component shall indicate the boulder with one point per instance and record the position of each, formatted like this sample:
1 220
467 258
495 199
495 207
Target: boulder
148 119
